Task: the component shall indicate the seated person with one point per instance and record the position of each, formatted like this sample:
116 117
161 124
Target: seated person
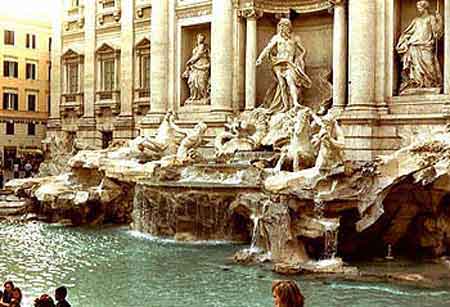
60 297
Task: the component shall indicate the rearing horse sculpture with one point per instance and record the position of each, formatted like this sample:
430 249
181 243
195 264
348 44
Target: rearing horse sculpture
300 149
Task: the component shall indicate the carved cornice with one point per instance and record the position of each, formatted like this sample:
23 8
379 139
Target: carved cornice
194 10
285 6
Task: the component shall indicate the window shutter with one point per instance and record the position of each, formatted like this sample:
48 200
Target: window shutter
16 70
5 101
16 102
34 41
27 45
34 71
5 69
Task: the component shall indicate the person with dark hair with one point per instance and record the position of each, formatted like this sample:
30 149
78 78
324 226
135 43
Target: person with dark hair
286 293
16 297
60 297
8 287
44 301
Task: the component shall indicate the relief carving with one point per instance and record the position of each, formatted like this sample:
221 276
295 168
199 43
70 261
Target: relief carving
417 46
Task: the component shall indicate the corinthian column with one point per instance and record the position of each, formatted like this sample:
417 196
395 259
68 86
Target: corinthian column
362 44
339 55
159 61
251 16
222 55
126 58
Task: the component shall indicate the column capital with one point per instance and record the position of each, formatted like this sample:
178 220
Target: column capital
337 2
250 12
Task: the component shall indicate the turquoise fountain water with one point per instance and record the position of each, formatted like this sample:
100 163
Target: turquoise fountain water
116 267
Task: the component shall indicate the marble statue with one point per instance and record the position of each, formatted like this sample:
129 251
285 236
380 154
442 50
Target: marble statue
299 150
330 140
197 73
287 56
165 142
421 72
187 151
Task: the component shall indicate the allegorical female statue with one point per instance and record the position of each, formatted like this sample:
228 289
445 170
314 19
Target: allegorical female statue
197 73
288 65
421 72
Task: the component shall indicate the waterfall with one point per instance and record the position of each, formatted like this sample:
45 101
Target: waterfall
331 241
253 247
330 231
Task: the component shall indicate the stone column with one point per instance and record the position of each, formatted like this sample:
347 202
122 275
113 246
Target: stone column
87 126
251 55
362 44
159 61
124 125
222 55
57 72
89 57
339 55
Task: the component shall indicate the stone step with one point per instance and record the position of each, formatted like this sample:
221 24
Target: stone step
10 208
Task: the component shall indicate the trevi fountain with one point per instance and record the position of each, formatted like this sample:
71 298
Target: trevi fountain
191 215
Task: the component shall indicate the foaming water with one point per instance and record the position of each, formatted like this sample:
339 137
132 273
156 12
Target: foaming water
117 267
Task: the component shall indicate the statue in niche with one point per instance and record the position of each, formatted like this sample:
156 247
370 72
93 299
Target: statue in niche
197 73
421 72
287 56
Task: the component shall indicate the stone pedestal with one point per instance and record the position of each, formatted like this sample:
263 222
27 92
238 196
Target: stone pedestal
222 56
124 128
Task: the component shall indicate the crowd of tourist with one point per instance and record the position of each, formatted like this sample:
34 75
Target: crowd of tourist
11 296
19 168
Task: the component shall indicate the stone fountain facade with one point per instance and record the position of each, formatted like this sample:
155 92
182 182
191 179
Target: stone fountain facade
308 128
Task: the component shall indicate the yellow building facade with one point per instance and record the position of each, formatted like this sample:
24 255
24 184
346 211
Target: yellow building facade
24 85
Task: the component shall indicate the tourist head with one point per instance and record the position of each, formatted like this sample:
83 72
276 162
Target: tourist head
285 26
423 6
60 293
17 295
287 294
9 286
44 301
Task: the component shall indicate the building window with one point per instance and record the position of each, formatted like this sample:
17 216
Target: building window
75 3
145 71
49 44
31 102
10 69
10 101
31 129
9 128
31 71
9 37
108 4
73 77
108 75
31 41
